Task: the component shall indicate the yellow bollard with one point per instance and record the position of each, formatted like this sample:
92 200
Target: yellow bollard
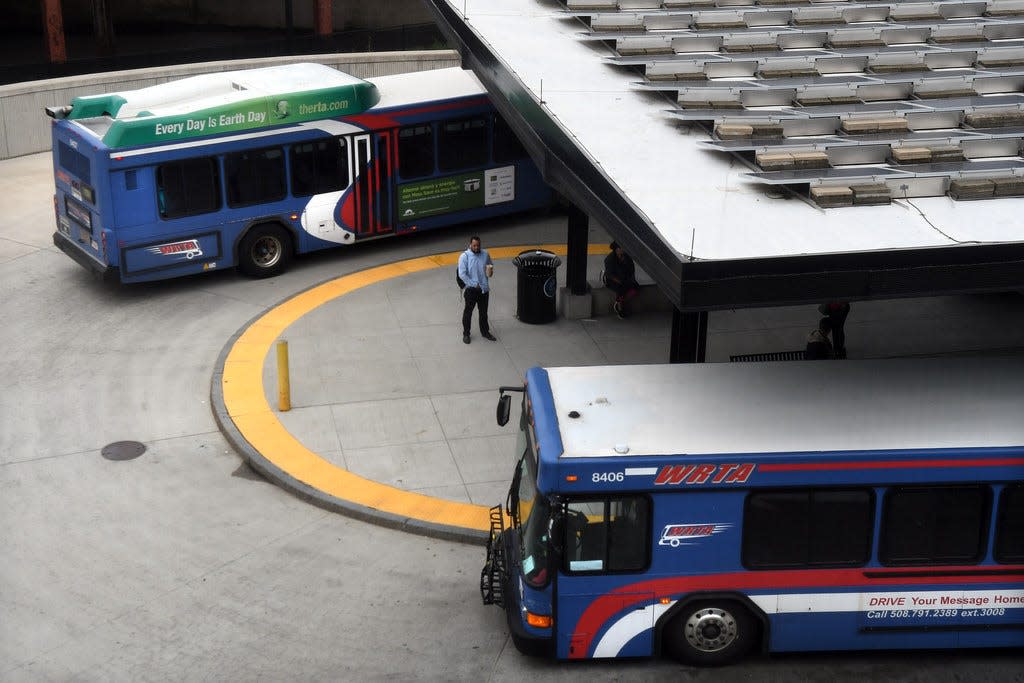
284 389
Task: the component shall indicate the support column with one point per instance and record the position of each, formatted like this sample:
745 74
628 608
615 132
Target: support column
689 337
576 258
53 30
577 301
289 19
103 28
324 18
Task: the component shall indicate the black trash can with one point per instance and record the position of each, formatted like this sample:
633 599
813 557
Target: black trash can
536 286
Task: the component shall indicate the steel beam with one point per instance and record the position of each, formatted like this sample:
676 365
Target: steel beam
324 18
53 30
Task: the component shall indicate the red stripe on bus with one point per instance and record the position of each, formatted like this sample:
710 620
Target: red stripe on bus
625 597
888 464
347 213
390 120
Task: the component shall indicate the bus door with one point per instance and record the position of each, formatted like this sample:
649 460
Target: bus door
605 552
372 163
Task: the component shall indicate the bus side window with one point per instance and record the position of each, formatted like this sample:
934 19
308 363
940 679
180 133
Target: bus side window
627 534
606 535
187 187
934 525
807 528
1009 547
507 147
319 167
462 144
255 176
585 537
416 151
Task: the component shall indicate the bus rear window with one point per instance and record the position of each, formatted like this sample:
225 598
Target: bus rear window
255 176
319 167
463 144
808 528
934 525
188 187
1009 546
74 162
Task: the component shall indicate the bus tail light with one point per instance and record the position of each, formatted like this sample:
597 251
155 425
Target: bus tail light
538 620
571 477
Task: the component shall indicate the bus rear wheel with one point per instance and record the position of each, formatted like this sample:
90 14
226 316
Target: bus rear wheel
265 251
711 633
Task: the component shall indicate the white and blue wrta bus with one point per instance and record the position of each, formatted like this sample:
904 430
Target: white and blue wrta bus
704 510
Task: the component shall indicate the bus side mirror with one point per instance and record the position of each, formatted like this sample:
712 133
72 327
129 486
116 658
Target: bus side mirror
504 406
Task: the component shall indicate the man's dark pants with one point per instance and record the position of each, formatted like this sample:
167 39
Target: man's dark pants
475 297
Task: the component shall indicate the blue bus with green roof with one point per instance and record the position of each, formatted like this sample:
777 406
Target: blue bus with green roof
250 168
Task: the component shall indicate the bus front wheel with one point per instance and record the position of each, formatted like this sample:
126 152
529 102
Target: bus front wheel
265 251
711 633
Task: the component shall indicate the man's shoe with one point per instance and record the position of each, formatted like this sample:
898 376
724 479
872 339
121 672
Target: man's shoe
465 339
489 336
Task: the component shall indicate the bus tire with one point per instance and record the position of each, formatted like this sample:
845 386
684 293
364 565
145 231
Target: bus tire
712 632
265 251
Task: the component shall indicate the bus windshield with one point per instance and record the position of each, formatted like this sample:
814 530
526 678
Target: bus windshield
532 516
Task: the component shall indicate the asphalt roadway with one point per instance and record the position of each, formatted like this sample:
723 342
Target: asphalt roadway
184 564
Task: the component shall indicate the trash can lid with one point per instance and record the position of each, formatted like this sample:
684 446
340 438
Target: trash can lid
536 257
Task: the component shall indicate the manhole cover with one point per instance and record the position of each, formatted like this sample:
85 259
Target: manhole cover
123 450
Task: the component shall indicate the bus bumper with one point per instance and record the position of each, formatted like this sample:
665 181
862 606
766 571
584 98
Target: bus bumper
527 643
104 272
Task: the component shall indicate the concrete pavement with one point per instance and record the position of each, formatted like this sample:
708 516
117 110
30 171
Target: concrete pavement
392 416
184 565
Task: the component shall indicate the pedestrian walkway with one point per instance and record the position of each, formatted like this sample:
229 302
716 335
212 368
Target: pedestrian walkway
392 416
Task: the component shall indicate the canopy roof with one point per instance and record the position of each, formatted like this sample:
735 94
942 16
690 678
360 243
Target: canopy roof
680 126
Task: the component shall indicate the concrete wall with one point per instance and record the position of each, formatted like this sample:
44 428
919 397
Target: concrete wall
347 14
25 14
25 127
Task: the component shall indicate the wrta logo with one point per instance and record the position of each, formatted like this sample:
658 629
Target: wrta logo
733 473
187 249
675 535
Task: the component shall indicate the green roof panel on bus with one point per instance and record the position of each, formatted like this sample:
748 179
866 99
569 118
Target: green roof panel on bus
226 102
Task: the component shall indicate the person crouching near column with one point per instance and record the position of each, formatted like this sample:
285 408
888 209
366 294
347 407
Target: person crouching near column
620 277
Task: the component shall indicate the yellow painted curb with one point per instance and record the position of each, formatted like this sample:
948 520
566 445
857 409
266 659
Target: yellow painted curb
246 405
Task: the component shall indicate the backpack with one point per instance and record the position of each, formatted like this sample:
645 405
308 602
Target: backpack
458 280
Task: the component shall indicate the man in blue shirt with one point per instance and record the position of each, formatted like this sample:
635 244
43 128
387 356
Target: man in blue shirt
475 268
